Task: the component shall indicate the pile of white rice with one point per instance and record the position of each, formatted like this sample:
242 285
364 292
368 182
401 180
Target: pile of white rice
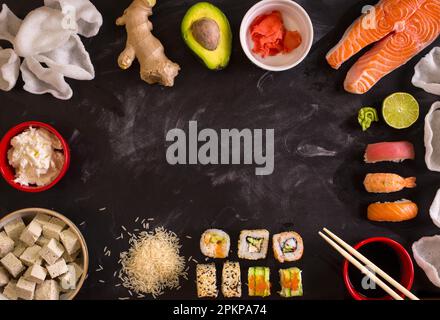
153 263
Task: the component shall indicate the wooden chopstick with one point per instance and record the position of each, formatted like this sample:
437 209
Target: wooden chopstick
361 267
371 265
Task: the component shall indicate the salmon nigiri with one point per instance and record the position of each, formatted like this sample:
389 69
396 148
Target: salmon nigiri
387 182
389 151
392 211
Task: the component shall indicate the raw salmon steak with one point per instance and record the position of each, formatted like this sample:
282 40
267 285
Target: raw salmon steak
392 211
387 16
420 30
387 182
389 151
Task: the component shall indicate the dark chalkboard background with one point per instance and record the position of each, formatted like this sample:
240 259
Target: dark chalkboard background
116 126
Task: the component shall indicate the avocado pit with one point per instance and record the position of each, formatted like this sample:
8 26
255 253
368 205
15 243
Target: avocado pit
207 33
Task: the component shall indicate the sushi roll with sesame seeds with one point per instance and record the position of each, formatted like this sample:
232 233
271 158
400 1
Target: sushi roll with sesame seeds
215 243
206 281
231 280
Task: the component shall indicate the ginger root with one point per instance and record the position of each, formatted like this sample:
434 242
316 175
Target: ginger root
141 44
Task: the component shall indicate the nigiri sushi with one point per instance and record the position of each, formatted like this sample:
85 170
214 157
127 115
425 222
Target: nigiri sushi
392 211
389 151
387 182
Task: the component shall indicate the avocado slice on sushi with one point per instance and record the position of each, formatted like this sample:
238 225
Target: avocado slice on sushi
285 283
267 281
291 283
251 281
260 282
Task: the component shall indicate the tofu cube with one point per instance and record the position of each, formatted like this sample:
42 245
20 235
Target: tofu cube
42 241
12 264
10 290
69 279
52 251
57 269
4 277
25 289
41 219
31 233
57 221
6 244
48 290
70 241
70 258
30 255
14 228
35 273
52 230
19 249
78 269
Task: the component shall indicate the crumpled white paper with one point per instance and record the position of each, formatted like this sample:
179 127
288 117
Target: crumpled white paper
427 72
427 255
47 38
9 69
434 210
432 138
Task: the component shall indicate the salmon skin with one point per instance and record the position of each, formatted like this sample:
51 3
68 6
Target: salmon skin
389 151
420 30
392 211
388 16
387 182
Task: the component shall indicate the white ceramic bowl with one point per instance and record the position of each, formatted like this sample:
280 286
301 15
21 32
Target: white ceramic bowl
295 18
27 215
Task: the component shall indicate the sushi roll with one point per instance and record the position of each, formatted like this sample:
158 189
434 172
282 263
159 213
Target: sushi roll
206 281
259 281
291 283
215 243
287 246
253 244
231 280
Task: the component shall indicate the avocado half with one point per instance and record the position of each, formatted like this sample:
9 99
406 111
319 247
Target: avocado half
206 31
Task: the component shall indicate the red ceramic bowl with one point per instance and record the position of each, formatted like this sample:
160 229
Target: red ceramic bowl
9 173
407 268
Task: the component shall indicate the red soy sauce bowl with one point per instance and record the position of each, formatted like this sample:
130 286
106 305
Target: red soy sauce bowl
8 172
405 274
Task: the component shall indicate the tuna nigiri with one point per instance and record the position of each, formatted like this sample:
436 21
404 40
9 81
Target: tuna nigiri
392 211
389 151
387 182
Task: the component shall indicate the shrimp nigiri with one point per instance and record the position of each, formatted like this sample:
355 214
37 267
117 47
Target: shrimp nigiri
392 211
387 182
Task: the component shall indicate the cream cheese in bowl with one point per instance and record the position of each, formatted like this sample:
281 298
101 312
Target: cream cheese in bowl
37 157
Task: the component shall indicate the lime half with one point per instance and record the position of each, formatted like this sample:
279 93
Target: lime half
400 110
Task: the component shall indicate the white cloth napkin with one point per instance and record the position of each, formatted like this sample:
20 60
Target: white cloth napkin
48 41
427 72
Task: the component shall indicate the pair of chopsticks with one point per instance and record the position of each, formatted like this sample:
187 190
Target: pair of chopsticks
348 252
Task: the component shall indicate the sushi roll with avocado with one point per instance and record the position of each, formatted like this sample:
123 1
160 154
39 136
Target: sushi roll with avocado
259 281
231 280
253 244
291 283
287 246
215 243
